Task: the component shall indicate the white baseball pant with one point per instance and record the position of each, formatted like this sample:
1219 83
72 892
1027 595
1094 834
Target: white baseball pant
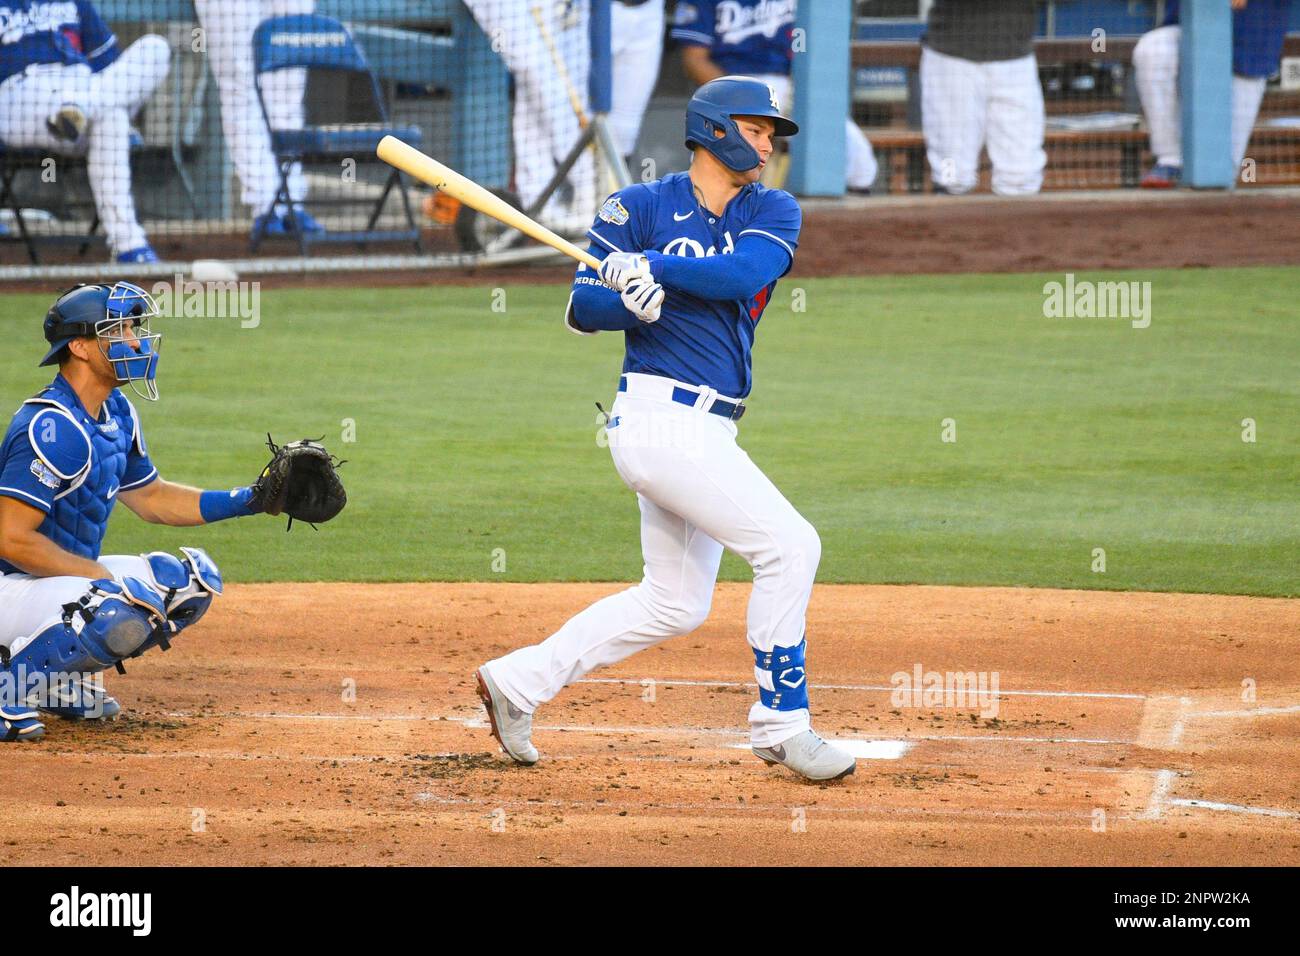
636 47
28 605
228 27
1155 62
967 105
860 165
109 99
699 492
545 125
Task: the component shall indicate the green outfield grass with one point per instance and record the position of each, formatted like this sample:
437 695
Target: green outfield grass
475 430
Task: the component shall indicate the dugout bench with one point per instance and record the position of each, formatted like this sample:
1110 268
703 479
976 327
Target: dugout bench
900 147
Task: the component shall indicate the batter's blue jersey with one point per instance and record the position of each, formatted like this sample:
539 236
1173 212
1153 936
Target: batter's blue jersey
696 341
1258 30
53 31
743 36
70 466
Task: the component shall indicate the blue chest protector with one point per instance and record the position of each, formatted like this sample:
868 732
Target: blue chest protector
70 465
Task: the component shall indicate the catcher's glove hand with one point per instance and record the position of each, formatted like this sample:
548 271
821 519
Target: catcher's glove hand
299 481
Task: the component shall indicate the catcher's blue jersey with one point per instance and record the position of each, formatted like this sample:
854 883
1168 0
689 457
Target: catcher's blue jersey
70 466
743 36
53 31
696 341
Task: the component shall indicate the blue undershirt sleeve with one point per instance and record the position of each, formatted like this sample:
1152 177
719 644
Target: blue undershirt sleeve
757 262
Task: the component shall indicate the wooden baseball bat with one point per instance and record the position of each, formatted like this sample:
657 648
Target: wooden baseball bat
574 100
428 170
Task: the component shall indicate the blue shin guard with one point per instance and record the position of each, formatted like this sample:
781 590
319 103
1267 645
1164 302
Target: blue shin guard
55 670
782 683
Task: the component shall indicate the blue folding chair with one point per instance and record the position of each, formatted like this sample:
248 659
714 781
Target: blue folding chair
316 42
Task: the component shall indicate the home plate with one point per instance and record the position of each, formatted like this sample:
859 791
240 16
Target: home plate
864 749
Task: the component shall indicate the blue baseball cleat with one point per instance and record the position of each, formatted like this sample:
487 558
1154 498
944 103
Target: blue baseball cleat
17 723
1162 176
277 224
142 255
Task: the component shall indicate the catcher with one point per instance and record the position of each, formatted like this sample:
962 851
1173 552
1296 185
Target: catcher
71 452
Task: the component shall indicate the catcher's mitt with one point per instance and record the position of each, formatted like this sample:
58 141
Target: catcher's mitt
300 481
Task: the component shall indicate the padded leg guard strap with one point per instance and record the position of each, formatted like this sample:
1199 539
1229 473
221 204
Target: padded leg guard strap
782 684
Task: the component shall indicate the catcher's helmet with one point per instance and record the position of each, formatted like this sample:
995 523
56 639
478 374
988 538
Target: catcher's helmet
711 110
98 311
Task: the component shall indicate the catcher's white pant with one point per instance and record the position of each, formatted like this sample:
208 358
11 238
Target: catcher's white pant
28 605
1155 62
636 47
228 27
699 492
967 105
859 160
545 124
109 99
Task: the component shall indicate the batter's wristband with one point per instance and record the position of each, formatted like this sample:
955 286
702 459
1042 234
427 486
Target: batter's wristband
220 505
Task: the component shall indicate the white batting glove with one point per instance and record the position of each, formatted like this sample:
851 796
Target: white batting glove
619 268
643 298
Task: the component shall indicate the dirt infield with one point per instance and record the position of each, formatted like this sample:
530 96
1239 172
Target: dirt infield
1121 736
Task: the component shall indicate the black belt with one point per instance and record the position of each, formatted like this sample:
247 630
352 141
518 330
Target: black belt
689 396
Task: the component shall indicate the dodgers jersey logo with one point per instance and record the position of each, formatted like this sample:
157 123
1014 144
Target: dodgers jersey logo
736 22
693 249
41 18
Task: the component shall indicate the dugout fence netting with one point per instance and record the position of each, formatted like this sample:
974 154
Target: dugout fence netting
243 130
1026 97
238 128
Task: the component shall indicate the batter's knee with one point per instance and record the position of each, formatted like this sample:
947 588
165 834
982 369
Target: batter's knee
684 617
800 546
678 613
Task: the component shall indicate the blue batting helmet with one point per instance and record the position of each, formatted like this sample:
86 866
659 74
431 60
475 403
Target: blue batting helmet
710 112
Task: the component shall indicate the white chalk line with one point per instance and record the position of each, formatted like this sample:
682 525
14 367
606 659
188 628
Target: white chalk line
1179 725
426 759
861 687
1233 808
1159 794
1253 712
720 806
670 731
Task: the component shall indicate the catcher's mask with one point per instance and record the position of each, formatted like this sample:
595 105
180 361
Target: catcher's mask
117 316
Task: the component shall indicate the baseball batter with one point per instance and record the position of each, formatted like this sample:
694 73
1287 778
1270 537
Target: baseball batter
1258 30
688 265
71 452
66 86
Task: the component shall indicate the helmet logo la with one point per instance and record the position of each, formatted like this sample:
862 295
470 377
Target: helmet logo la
771 92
